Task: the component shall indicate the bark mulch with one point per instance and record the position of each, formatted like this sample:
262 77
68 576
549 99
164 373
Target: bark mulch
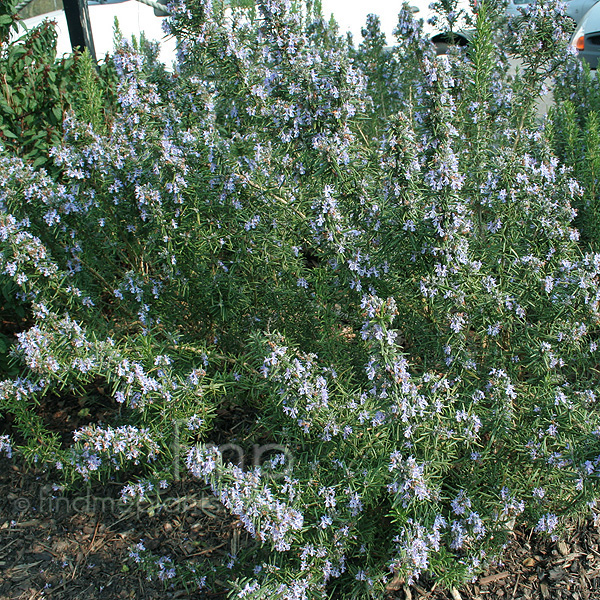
76 547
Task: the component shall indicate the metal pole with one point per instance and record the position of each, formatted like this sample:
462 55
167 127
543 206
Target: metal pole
80 29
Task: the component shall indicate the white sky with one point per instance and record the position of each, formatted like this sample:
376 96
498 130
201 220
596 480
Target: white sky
351 15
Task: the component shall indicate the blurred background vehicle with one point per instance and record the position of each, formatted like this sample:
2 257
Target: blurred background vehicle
513 8
586 38
575 9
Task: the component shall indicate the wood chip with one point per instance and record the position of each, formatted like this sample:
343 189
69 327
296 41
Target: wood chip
593 574
571 557
492 578
455 594
563 548
395 584
557 574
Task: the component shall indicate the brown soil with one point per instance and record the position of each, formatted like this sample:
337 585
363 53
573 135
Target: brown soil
77 546
55 547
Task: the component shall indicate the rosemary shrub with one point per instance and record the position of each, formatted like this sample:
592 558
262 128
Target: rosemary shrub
371 251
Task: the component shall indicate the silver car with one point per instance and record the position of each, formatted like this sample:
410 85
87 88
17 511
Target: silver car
513 6
587 37
575 9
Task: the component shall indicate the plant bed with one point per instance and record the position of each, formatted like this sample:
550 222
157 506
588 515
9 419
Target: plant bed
56 549
340 291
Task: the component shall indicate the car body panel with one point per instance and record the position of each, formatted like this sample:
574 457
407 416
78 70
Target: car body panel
587 37
576 9
514 7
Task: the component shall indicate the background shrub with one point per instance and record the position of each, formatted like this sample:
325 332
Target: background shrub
574 126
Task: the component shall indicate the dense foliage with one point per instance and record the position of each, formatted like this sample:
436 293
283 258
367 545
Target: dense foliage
575 130
369 252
